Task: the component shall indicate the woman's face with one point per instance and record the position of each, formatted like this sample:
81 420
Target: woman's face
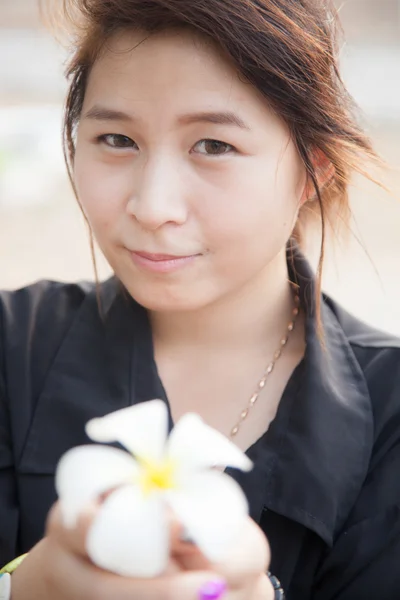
190 183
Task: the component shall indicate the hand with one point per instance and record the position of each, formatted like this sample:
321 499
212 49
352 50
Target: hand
58 568
243 570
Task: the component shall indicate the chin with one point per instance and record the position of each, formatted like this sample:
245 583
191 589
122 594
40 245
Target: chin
164 301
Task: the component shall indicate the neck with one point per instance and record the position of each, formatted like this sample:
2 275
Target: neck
256 316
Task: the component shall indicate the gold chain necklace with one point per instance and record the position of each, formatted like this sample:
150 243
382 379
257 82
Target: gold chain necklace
278 353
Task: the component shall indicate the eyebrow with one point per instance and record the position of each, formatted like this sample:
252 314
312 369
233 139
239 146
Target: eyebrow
100 113
217 118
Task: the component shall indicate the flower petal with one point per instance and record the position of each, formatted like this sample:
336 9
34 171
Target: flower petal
195 445
213 509
141 428
130 535
85 472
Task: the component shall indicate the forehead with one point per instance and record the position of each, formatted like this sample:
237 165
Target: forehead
168 66
172 53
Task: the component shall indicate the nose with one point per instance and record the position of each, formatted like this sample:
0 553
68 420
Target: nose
158 197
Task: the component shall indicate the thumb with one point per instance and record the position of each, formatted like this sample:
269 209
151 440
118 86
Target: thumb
185 552
244 560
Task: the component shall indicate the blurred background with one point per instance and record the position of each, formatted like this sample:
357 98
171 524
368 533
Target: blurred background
42 233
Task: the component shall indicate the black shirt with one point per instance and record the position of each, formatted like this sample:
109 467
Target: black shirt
325 487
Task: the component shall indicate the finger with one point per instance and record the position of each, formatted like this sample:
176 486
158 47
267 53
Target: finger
76 579
248 558
263 589
189 558
71 576
73 572
184 551
73 539
186 585
195 585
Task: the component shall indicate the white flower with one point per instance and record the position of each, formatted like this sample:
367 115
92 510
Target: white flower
130 534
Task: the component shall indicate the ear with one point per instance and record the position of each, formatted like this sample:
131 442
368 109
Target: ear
324 170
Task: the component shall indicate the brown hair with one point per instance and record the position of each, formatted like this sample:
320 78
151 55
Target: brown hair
287 49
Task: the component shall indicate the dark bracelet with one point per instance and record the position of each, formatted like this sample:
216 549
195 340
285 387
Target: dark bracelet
276 584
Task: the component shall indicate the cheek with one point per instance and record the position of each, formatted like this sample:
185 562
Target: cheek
257 203
101 192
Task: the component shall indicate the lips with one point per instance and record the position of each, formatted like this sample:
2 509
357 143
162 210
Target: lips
162 257
162 263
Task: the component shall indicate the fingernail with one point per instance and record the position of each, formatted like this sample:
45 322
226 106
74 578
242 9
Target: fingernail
212 590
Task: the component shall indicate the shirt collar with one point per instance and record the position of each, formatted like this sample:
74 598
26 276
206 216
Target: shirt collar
315 456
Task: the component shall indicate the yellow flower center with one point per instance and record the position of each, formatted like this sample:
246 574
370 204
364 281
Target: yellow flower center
155 477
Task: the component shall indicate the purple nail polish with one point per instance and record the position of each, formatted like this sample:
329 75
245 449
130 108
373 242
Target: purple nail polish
212 590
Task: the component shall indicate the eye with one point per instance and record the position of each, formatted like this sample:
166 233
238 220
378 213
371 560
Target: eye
213 147
115 140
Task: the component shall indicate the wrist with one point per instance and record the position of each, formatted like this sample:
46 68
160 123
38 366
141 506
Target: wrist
14 564
5 577
279 594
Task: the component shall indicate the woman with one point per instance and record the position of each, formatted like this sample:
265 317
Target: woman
199 136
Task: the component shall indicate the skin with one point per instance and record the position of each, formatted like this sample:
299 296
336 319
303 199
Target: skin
148 181
169 192
58 569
